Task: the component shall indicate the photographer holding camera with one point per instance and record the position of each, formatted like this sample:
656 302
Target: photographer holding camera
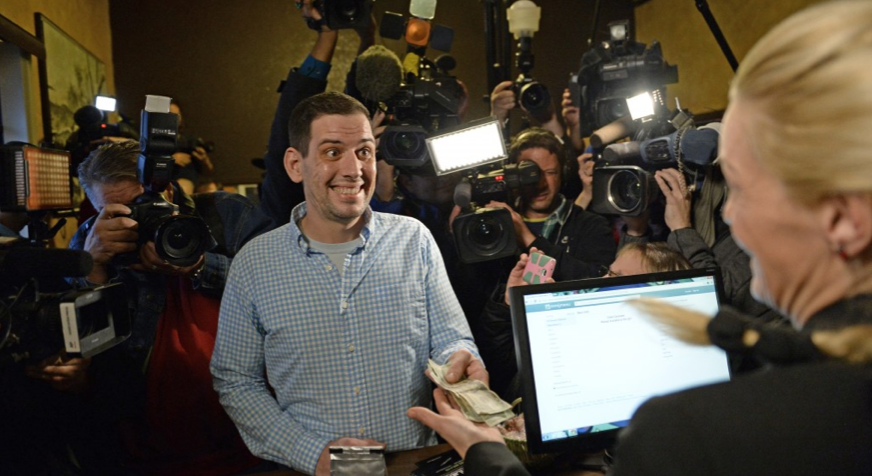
174 292
698 232
580 241
192 159
279 195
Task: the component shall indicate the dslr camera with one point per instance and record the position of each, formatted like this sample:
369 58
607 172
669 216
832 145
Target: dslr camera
187 143
531 95
425 104
179 239
343 14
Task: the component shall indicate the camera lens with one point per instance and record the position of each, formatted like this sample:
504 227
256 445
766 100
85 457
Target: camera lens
182 239
610 110
348 10
405 142
406 145
487 235
625 191
534 97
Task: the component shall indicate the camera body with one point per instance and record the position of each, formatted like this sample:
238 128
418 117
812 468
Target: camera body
178 239
345 14
623 180
614 71
426 103
484 234
187 143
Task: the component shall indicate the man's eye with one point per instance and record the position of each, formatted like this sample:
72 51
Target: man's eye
364 153
332 152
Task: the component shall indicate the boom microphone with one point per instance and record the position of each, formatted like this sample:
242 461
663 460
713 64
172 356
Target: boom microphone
379 74
463 194
617 129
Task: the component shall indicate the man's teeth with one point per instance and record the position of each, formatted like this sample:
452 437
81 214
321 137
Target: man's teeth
346 190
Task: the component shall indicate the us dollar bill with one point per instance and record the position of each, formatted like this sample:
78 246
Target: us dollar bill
477 402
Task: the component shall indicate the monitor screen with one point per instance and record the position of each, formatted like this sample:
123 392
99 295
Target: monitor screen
588 359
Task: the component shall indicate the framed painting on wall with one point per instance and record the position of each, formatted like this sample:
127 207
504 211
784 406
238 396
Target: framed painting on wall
70 77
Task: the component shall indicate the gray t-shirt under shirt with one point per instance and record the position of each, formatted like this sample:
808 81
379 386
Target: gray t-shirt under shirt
336 251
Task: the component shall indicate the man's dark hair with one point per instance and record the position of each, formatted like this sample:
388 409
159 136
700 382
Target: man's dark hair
110 163
537 138
311 108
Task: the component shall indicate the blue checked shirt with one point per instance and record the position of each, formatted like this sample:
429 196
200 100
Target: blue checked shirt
345 354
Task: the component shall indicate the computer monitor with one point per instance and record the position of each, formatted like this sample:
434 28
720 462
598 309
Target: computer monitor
588 360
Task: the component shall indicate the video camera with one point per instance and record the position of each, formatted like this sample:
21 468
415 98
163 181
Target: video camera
483 234
613 72
426 103
39 315
92 127
623 180
478 150
178 239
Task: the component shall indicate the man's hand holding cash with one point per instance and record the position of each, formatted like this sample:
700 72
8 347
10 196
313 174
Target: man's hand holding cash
467 408
477 402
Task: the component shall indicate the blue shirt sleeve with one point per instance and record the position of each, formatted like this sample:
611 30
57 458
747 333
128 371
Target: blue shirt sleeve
314 68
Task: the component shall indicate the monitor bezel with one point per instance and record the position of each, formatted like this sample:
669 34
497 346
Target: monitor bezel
588 441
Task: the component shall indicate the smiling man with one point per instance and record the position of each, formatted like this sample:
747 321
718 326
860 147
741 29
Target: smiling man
582 242
338 311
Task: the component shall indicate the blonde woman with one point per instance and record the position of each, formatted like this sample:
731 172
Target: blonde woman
796 151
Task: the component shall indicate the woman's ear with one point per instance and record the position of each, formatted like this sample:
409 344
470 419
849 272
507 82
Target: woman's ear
847 221
293 164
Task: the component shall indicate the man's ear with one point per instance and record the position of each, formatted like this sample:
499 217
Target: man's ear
294 164
847 221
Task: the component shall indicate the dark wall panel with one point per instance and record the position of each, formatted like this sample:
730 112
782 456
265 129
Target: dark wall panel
224 59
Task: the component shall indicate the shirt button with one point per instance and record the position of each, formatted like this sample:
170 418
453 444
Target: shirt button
361 431
351 348
344 305
357 390
328 267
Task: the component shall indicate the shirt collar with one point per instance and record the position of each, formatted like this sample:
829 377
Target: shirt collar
561 212
297 236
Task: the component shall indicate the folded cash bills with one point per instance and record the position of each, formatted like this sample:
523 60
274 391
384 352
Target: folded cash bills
477 402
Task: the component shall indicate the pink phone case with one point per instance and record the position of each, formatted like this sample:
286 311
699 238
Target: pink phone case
539 268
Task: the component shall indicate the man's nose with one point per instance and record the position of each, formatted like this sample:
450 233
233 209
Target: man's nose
350 165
